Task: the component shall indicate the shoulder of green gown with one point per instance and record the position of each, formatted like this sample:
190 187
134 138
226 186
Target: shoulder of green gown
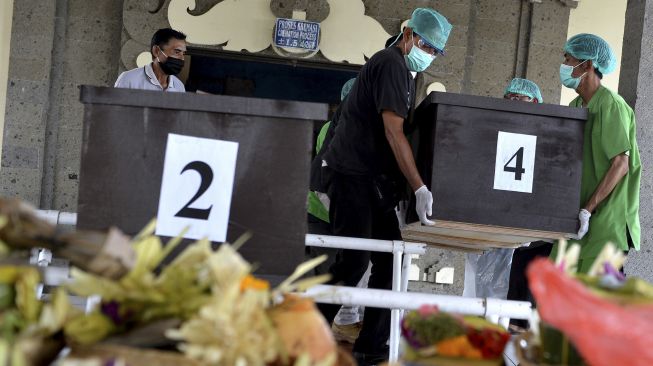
607 95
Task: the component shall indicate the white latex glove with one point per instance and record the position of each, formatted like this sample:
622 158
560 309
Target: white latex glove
401 210
584 217
424 205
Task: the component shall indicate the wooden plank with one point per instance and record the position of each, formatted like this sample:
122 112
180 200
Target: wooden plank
433 241
436 242
502 231
482 232
462 234
472 237
453 240
456 248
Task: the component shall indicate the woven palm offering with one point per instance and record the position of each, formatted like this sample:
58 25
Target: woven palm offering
206 307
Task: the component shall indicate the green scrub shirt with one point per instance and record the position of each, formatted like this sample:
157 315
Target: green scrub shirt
610 130
315 206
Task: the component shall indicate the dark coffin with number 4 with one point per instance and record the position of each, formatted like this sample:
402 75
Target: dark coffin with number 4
499 162
124 148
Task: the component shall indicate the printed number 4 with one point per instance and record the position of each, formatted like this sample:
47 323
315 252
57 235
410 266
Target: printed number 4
518 169
206 176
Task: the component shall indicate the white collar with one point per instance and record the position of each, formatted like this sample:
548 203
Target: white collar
149 72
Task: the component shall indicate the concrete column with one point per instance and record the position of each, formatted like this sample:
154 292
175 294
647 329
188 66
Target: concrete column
491 51
549 23
636 86
27 99
87 52
6 15
56 45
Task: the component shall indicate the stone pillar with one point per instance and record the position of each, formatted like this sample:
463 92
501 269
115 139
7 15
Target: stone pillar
56 45
27 99
87 51
636 86
549 24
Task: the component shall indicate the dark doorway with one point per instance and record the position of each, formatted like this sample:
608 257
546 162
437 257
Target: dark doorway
259 77
227 73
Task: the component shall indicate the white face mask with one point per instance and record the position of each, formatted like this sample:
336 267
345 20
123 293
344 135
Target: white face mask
565 76
417 59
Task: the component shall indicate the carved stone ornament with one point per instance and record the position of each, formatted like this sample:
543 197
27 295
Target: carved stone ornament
249 24
347 17
239 24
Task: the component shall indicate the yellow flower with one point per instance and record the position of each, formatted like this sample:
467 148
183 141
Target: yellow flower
252 283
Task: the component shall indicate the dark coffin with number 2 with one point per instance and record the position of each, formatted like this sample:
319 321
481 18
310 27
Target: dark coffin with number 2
457 156
125 134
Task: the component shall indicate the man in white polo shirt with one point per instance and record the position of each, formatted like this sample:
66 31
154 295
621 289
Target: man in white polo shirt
168 47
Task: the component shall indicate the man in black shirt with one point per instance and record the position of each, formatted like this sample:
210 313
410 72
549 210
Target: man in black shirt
367 158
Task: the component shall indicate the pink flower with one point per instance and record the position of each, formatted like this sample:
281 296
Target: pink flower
426 310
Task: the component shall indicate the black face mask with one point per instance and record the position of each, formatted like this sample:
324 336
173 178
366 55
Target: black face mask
172 66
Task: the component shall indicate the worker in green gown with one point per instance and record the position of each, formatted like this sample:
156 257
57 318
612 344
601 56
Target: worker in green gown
611 165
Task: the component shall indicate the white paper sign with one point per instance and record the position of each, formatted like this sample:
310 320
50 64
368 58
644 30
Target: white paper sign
515 162
196 188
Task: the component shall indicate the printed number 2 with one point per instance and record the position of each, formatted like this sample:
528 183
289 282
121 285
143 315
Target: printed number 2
206 176
518 169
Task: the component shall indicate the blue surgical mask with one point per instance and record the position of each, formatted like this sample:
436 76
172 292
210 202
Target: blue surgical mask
566 78
418 60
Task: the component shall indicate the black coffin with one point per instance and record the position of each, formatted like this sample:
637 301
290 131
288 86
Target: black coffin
456 147
125 134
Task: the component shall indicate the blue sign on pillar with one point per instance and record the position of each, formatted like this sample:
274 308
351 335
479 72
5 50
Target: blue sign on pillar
297 34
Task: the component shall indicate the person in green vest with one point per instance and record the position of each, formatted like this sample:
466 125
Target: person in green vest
611 174
318 203
348 321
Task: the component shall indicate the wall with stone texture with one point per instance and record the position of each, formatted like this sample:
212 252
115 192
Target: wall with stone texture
27 99
6 17
58 45
548 34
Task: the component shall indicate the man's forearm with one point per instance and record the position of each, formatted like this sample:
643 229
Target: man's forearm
404 156
618 169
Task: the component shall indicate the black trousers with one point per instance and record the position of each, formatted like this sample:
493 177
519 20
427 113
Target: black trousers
518 284
354 212
319 227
